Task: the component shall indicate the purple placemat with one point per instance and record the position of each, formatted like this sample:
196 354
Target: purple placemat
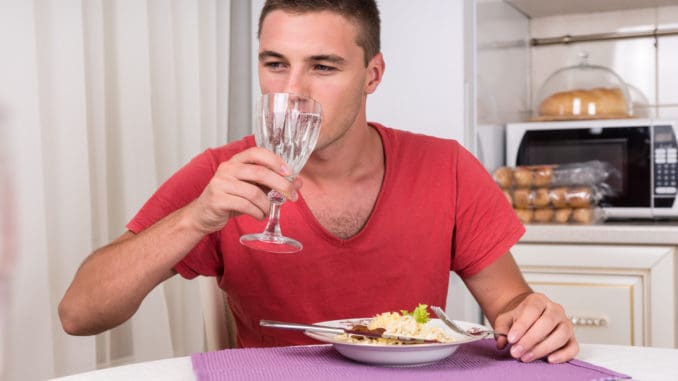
474 361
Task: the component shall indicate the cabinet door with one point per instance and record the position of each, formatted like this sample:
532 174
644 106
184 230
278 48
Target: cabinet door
623 280
605 309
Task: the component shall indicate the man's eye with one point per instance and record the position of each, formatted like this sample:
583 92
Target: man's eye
274 65
324 68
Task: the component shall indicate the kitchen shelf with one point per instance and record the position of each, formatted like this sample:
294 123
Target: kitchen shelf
638 233
541 8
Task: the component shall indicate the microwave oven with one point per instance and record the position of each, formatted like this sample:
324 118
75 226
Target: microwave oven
643 153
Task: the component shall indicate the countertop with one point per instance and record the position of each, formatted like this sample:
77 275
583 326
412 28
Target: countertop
662 232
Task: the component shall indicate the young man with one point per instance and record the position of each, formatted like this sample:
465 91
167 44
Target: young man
383 214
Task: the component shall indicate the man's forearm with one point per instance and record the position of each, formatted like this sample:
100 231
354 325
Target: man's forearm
113 281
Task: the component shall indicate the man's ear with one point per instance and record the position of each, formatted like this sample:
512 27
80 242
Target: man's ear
375 71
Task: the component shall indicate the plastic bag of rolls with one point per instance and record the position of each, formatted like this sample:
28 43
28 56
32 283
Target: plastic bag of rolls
558 194
587 173
582 216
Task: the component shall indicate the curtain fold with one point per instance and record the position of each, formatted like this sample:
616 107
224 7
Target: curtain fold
19 100
64 147
100 102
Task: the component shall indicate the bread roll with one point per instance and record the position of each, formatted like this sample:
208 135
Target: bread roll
598 102
582 215
543 215
522 198
562 216
522 177
558 197
507 193
541 176
580 197
525 215
504 177
541 198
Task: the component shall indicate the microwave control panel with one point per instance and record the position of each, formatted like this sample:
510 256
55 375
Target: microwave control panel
665 165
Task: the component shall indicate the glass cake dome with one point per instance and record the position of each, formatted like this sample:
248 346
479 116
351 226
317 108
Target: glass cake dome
583 91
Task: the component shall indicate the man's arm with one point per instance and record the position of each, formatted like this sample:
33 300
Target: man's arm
536 326
113 281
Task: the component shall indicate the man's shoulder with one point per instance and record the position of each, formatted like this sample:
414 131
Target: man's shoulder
229 149
405 139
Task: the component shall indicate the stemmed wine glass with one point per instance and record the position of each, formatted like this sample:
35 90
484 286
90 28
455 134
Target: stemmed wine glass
288 125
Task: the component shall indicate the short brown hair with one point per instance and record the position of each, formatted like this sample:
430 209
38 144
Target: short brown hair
363 12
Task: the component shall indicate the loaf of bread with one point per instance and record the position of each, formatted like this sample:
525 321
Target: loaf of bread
594 103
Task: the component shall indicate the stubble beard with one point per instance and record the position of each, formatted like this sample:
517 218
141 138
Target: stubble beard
345 125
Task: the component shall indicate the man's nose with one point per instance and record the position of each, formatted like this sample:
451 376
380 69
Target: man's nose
297 83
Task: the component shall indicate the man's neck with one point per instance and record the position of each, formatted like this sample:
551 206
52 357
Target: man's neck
357 154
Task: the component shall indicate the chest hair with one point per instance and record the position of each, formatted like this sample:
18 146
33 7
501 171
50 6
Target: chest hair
344 224
345 216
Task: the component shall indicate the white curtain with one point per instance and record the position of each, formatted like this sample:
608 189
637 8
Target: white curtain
100 101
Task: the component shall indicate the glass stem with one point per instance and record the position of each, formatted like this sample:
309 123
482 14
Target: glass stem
273 224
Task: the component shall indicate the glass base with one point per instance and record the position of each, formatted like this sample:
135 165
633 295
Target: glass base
271 243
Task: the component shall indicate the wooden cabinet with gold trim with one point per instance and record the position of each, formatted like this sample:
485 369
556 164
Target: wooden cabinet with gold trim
614 294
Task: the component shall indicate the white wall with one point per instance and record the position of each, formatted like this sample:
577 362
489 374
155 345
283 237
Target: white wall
423 87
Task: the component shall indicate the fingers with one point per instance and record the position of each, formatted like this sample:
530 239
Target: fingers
564 354
240 186
222 199
237 196
527 312
538 328
260 166
503 324
535 346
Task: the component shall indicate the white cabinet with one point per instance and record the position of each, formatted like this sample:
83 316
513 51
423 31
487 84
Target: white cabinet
614 294
603 308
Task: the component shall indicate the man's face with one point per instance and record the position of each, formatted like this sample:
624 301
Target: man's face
315 54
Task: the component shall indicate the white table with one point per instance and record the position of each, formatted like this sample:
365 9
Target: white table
642 363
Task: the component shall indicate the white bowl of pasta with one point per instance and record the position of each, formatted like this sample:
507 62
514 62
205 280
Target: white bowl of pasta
389 353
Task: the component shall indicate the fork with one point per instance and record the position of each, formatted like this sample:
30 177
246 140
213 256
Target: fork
457 328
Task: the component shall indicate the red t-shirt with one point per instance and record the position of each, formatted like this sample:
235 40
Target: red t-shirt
438 210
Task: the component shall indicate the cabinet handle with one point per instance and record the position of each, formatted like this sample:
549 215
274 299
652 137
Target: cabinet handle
583 321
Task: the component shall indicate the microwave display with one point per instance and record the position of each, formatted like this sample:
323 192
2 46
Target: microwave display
626 149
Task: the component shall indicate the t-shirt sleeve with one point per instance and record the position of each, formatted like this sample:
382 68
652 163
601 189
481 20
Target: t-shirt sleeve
486 227
179 190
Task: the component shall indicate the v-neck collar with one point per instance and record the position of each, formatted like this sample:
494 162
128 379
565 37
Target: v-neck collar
340 242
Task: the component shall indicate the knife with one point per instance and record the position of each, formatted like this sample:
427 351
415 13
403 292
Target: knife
356 331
